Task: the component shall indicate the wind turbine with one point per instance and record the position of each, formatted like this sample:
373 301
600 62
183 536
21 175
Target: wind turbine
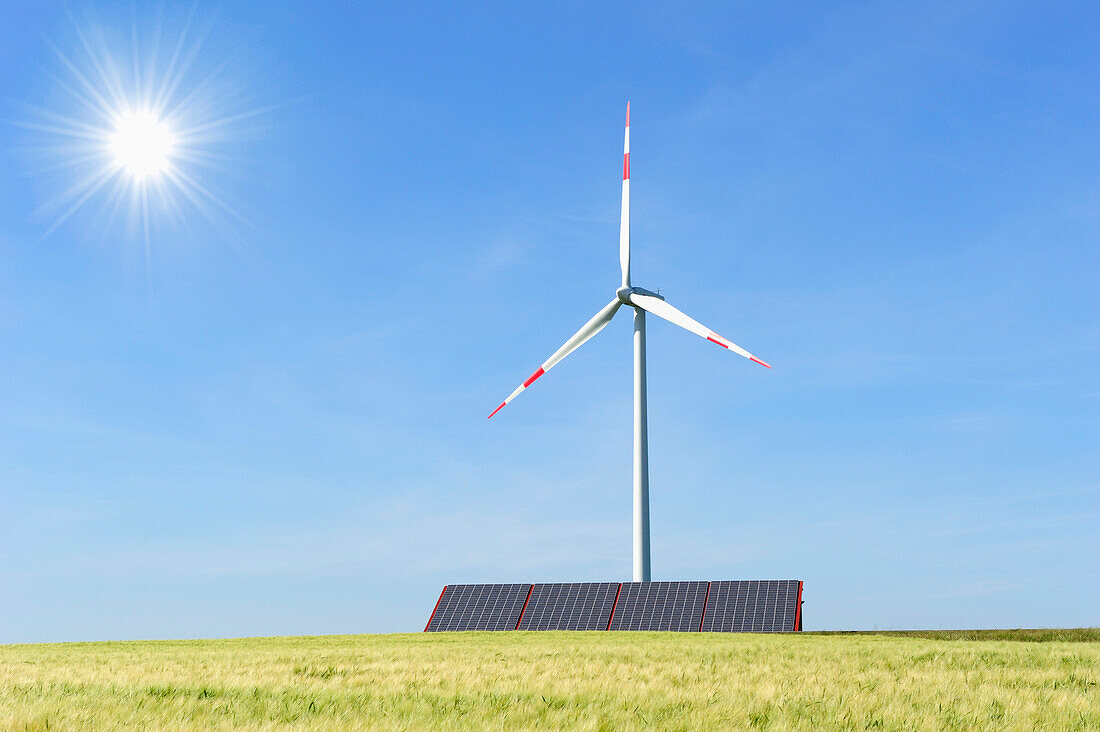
642 301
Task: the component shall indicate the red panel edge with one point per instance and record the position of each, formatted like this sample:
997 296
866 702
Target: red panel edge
798 609
714 340
435 608
705 601
521 612
614 605
757 360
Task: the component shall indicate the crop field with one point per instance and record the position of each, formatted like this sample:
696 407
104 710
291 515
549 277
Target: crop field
965 680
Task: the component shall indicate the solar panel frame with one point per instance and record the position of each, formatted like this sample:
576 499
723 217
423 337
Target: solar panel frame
479 607
668 606
752 606
569 606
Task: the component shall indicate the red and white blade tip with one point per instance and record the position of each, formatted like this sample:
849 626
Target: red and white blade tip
715 338
530 380
532 377
628 114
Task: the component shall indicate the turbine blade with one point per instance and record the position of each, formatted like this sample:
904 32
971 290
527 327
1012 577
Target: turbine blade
662 309
589 329
624 219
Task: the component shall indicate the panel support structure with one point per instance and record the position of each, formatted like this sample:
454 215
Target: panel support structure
641 455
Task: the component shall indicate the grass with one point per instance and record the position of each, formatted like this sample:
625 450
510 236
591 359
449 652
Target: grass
962 680
1033 635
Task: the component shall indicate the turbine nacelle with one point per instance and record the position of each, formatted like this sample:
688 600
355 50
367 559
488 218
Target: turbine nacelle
624 293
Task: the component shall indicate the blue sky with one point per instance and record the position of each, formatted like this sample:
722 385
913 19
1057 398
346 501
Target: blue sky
276 424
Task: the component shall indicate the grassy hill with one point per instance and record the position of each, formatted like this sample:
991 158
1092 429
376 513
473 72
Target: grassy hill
960 680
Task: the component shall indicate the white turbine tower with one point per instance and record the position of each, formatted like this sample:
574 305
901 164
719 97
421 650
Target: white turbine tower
642 301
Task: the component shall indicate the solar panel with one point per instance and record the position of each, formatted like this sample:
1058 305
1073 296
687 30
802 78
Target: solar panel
756 606
479 607
752 606
660 606
570 606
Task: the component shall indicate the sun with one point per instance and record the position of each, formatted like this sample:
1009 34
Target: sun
147 130
141 144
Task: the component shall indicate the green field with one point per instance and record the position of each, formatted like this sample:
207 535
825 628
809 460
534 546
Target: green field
966 680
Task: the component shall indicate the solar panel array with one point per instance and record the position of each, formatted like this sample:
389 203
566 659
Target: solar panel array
570 606
479 607
660 606
754 606
760 606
